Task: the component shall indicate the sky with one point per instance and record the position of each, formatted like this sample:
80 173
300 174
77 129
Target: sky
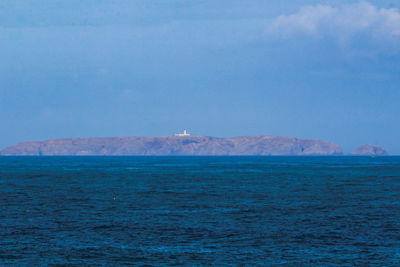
310 69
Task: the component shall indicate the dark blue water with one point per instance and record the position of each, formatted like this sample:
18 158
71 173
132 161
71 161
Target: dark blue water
200 210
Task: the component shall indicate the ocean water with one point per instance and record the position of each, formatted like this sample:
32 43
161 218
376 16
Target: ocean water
195 211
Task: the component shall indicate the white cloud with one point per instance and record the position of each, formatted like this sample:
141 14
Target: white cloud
340 22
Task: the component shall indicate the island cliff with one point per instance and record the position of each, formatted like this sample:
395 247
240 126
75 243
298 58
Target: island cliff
175 145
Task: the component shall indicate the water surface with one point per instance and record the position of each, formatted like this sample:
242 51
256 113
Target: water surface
200 210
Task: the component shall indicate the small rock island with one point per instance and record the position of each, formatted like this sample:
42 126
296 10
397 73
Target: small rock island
370 150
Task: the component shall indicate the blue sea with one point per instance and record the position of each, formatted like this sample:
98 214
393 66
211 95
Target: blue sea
196 211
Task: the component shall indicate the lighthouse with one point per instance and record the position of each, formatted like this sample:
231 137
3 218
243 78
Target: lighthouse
183 134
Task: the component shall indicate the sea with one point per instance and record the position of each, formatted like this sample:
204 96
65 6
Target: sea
200 211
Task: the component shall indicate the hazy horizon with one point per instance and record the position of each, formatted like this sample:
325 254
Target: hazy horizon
307 69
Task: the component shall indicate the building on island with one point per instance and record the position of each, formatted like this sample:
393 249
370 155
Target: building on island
183 134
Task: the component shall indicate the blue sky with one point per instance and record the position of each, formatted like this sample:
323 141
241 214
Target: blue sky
311 69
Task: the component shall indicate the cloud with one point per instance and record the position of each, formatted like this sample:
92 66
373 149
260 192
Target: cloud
342 22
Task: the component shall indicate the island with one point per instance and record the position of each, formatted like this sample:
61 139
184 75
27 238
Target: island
178 145
370 150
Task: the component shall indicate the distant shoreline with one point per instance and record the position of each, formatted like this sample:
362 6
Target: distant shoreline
184 146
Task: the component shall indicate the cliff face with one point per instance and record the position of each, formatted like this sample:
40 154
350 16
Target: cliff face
370 150
174 145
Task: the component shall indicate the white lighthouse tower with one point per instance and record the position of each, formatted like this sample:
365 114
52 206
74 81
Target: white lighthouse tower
183 134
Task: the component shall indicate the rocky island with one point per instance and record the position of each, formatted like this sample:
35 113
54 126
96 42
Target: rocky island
175 145
370 150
